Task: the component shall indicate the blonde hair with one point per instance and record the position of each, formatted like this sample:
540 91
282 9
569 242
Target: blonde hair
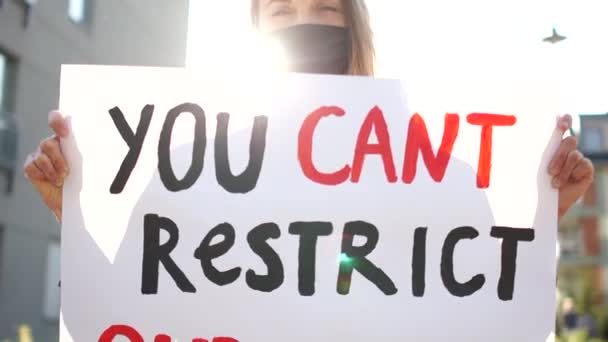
362 42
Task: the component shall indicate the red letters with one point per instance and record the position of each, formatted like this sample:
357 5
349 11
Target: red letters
120 330
305 139
375 120
166 338
487 121
133 335
418 140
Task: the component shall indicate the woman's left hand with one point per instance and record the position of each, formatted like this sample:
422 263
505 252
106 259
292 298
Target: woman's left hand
571 172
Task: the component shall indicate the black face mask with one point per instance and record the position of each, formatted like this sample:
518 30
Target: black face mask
316 49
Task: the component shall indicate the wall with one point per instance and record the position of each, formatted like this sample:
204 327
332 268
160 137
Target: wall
124 32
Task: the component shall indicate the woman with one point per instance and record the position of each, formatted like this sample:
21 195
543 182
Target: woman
320 36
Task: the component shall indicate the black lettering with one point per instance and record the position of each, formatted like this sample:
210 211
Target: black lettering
248 179
419 262
155 253
135 142
309 233
508 260
207 252
447 264
198 150
355 258
257 239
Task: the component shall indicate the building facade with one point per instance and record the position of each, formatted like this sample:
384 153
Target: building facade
36 38
583 268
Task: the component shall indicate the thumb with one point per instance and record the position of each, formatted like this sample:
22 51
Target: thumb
564 123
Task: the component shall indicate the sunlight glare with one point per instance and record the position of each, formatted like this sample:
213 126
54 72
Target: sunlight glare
224 47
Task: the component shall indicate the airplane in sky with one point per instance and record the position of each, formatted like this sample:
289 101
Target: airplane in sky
554 38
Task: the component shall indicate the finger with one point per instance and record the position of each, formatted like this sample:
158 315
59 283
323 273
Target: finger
58 124
584 169
558 161
564 123
52 149
32 172
574 157
43 162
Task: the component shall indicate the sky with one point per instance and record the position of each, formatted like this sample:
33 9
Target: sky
434 38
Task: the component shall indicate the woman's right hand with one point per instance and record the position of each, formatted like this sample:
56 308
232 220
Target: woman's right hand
46 168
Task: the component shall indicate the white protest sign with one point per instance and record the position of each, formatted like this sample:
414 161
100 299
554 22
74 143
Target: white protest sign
306 208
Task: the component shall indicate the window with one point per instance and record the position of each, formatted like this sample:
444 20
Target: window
8 123
571 242
593 140
1 253
51 294
3 79
8 68
77 10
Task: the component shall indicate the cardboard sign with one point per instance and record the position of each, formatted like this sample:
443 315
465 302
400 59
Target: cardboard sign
305 208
